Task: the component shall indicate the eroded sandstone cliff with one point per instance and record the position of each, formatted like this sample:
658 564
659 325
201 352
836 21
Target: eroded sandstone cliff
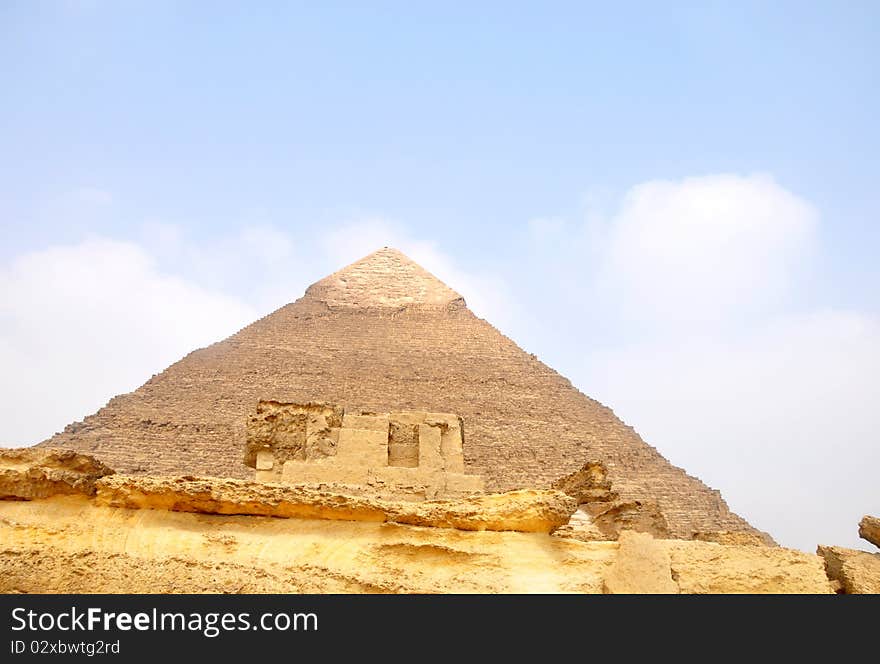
198 535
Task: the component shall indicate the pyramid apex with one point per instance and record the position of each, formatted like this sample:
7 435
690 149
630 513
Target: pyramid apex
386 278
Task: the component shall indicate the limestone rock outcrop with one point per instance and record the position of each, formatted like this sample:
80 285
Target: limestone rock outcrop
524 511
89 531
642 516
589 484
708 567
73 544
36 472
855 572
642 567
736 537
581 527
601 515
869 529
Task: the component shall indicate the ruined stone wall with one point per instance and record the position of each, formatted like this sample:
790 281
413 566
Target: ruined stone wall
526 424
407 454
280 432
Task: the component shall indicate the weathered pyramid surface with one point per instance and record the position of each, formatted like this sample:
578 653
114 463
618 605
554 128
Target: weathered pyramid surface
383 334
385 278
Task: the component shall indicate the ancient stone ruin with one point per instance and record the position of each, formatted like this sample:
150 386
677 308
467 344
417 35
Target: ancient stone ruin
406 454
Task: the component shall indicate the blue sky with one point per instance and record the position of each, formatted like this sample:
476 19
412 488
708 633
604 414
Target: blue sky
636 192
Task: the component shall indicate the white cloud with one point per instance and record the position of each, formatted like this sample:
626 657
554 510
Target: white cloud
82 323
258 263
705 249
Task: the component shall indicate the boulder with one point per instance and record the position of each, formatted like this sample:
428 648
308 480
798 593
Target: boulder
643 516
712 568
590 484
580 527
642 566
869 529
525 510
855 572
29 473
735 537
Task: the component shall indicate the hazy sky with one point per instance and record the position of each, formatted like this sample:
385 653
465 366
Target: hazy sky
674 206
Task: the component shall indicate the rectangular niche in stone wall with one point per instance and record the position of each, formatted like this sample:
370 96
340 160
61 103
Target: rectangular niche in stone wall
403 445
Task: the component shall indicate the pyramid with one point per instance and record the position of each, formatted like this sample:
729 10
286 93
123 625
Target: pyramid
383 334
